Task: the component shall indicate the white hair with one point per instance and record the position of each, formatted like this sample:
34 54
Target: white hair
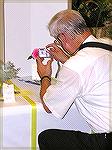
69 21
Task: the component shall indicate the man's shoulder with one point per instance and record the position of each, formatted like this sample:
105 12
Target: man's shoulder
84 58
79 62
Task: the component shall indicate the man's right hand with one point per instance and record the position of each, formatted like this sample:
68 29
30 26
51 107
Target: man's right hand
57 53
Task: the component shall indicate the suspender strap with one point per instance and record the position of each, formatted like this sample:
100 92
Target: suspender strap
97 45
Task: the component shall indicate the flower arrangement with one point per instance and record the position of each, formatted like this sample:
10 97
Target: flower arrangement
7 71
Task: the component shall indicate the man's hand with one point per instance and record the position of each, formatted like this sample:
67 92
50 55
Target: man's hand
57 53
44 70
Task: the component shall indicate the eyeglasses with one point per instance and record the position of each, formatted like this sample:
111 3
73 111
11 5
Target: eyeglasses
57 41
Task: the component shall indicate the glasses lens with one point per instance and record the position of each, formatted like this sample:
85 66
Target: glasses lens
58 42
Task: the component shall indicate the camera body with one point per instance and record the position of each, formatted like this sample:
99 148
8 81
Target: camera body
43 52
39 52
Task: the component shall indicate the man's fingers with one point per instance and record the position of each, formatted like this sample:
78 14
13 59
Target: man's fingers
50 61
39 60
50 45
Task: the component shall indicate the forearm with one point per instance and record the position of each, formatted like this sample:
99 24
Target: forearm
45 83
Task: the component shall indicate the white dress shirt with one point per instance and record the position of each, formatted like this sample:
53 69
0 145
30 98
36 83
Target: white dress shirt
85 80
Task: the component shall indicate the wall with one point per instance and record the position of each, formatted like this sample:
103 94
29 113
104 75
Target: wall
26 28
17 35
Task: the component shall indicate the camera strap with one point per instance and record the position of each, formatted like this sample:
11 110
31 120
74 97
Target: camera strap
96 45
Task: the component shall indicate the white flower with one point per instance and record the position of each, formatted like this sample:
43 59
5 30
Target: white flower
8 71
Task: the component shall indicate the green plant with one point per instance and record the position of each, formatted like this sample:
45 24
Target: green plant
97 14
8 71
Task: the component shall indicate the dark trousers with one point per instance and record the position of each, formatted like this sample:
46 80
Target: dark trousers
54 139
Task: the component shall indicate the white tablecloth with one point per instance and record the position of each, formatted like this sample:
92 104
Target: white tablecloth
16 121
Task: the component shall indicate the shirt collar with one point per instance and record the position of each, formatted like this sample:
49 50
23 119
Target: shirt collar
91 38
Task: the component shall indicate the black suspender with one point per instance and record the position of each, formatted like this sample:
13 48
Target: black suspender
97 45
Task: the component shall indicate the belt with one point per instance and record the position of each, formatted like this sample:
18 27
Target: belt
107 135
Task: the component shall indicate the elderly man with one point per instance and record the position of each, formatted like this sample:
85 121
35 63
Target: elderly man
84 79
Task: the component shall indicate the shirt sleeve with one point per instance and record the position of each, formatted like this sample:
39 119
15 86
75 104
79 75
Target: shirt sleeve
60 96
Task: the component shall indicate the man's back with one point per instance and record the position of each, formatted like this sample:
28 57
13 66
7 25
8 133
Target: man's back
94 99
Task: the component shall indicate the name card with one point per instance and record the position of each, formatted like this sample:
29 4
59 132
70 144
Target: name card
8 93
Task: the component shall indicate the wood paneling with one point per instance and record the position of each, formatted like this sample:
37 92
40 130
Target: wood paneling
2 52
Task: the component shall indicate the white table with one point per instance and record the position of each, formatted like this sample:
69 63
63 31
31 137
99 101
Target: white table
17 120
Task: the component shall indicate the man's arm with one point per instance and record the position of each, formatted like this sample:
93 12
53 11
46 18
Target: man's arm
44 72
45 83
